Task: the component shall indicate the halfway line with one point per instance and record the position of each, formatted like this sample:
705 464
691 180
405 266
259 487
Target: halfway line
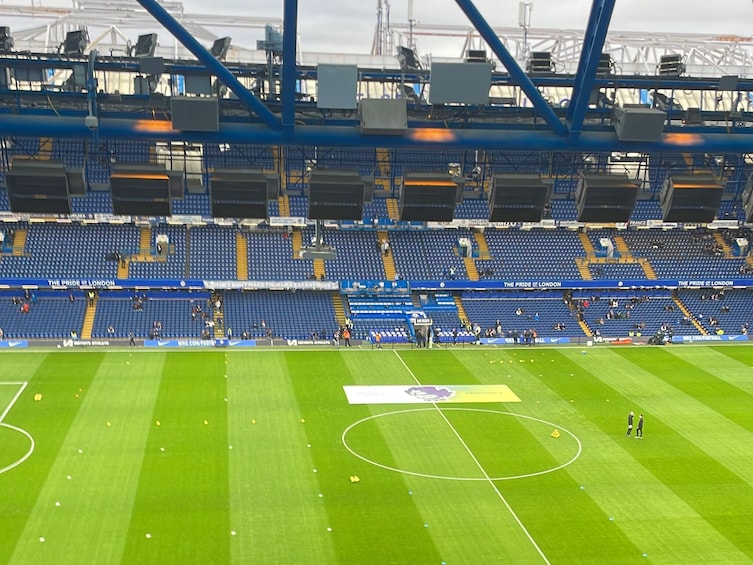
481 468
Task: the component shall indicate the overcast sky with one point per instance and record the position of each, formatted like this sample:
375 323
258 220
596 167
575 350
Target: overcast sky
332 25
348 25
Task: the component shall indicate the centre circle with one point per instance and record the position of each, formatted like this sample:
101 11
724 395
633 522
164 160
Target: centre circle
476 434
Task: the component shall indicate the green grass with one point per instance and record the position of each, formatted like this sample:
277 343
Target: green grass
176 492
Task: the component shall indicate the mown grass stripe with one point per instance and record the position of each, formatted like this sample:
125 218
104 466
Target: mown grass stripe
676 451
690 376
379 507
54 422
589 407
275 510
182 497
731 364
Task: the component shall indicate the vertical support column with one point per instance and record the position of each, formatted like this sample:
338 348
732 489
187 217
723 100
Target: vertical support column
202 54
516 73
593 42
289 39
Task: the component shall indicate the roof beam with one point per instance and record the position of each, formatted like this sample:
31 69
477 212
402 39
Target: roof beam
216 67
516 73
289 37
596 34
348 136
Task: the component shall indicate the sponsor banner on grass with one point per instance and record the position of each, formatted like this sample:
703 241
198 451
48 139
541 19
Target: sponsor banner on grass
690 338
88 343
14 343
296 342
238 342
179 343
511 341
423 394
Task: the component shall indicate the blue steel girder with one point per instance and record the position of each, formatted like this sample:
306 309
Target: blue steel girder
349 136
216 67
593 42
290 34
514 70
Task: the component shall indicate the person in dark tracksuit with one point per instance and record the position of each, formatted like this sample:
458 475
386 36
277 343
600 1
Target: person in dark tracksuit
639 429
631 415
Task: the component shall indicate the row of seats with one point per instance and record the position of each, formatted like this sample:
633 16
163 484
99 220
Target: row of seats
70 250
305 314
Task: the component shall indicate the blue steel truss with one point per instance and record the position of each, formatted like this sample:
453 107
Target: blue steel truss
578 126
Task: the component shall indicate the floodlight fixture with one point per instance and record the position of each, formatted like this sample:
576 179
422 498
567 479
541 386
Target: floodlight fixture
476 56
75 42
145 45
6 41
671 65
540 62
408 59
220 48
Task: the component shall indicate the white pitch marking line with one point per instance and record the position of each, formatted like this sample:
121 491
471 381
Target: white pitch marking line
22 386
481 468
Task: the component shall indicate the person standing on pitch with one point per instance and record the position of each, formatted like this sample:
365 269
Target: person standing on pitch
639 429
631 415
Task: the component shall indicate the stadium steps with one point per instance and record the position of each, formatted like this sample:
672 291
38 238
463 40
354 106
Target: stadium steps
19 242
383 162
145 239
723 244
585 241
88 325
684 309
389 262
622 247
284 205
585 327
688 158
297 243
582 264
393 210
241 257
461 309
145 252
45 148
123 268
218 318
319 270
483 246
647 268
470 268
339 307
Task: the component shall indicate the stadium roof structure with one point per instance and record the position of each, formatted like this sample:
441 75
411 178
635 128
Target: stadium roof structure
263 102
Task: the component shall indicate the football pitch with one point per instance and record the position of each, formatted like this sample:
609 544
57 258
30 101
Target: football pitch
509 455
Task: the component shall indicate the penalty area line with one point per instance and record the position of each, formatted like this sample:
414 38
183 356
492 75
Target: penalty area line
481 468
23 385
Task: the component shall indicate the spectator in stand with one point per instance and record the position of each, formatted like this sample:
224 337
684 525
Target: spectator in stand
346 337
111 330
